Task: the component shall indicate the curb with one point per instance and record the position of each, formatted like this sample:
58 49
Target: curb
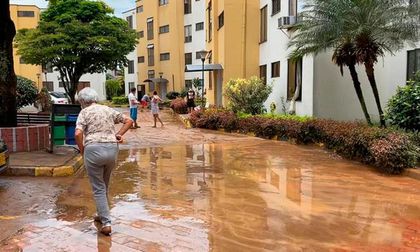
182 118
66 170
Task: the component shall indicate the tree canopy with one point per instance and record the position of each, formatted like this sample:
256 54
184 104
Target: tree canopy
77 37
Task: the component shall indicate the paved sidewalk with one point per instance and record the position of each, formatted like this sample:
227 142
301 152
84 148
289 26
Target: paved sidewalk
65 161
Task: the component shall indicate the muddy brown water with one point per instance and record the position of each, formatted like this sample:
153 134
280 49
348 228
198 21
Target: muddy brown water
247 196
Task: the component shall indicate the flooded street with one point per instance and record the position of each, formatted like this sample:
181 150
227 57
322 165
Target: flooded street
193 190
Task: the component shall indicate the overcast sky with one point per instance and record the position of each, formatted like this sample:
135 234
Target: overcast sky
118 5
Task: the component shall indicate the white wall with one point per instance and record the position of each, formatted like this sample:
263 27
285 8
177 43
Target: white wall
275 49
335 96
198 37
97 82
131 56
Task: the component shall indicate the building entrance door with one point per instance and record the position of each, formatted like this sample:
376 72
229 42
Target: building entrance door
141 91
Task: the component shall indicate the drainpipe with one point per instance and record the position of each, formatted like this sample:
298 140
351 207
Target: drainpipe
244 19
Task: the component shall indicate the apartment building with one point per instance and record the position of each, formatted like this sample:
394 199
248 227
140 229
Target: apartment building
324 93
26 17
131 71
232 40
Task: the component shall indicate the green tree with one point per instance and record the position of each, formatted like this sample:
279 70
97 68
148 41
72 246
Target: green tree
358 31
77 37
113 88
26 92
7 73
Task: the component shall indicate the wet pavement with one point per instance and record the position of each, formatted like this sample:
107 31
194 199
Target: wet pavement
208 191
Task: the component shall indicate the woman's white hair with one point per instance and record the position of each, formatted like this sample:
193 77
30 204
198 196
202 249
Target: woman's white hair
87 96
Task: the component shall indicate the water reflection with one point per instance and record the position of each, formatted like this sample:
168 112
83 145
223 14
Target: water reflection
256 196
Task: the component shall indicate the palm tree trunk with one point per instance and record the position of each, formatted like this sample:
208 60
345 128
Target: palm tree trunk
370 71
357 87
7 73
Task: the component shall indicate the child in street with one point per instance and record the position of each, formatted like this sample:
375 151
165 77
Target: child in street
154 105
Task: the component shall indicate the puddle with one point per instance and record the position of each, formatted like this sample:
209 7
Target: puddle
255 196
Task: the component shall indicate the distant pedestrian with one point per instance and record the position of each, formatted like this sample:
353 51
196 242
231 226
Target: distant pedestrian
144 101
133 106
154 106
98 141
190 100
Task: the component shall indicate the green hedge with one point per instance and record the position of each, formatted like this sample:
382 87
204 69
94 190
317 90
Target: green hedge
120 100
388 150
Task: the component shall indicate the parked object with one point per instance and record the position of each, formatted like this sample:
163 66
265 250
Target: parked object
4 156
59 98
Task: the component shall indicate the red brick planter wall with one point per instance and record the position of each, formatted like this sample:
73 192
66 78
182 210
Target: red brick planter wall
26 138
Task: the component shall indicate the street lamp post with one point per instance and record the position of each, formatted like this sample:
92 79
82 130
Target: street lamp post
38 75
203 55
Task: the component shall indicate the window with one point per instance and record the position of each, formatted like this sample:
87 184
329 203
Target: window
187 6
163 2
49 85
47 68
150 29
130 85
209 22
188 58
165 56
295 7
150 55
199 26
140 34
263 24
82 84
276 6
197 56
221 19
140 59
151 74
275 69
413 63
294 78
263 73
139 9
164 29
188 33
131 66
26 14
130 21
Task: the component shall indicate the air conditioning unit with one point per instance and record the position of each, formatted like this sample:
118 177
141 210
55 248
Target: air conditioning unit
286 22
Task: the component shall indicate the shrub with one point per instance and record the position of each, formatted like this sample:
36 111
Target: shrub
26 92
172 95
113 88
120 100
404 107
394 153
389 150
247 96
179 106
183 93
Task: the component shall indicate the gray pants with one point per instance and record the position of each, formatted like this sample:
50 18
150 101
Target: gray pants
100 159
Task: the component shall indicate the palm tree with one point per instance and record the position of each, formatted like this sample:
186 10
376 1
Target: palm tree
366 29
378 27
321 29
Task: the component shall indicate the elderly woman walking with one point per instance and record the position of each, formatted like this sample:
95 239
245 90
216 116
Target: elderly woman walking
98 143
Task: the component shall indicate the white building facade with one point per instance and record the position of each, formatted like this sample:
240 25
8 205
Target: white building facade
131 71
325 93
52 81
194 25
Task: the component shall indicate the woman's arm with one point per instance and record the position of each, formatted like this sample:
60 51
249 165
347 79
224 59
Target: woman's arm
78 135
127 123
